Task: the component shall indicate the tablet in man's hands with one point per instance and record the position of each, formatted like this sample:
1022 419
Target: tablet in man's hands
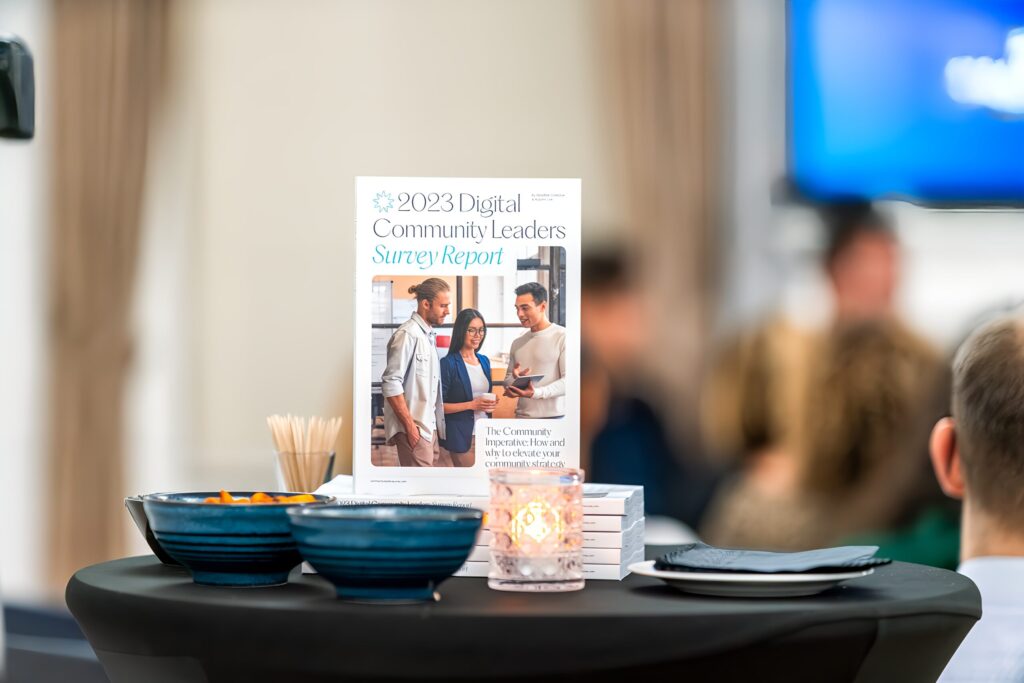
524 381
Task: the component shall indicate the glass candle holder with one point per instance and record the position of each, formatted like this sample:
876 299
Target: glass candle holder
536 523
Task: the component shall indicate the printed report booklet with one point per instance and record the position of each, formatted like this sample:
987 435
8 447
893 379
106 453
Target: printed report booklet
619 500
467 336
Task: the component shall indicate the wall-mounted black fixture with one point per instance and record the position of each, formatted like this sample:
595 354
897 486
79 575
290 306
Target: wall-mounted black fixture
17 90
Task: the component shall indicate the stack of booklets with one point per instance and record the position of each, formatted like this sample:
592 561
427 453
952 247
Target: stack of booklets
613 525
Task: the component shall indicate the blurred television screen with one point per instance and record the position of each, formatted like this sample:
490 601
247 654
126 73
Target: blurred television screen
916 99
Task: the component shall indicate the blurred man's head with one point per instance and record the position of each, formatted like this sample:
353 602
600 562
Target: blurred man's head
432 300
614 320
978 454
861 260
532 304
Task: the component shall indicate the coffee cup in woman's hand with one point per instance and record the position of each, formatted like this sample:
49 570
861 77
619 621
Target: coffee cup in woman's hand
485 402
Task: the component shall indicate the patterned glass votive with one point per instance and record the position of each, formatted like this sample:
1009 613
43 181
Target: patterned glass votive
536 523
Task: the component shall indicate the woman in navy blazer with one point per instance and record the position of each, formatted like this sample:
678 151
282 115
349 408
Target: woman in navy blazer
465 376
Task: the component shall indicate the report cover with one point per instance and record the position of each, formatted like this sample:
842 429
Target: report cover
466 331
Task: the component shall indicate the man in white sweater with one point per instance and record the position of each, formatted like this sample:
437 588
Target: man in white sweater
541 351
978 456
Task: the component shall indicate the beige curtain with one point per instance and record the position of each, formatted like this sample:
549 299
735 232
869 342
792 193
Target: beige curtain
663 80
106 65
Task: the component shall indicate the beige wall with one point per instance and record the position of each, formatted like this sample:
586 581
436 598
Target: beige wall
295 99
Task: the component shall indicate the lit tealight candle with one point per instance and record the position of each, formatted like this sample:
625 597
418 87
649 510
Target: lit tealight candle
536 522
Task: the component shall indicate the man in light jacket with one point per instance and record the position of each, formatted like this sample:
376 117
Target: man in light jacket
411 383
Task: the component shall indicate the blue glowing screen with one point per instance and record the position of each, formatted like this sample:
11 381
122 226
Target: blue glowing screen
921 99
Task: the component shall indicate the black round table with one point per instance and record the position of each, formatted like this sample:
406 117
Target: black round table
148 622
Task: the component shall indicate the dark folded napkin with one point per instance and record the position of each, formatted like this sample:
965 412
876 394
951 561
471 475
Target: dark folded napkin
700 557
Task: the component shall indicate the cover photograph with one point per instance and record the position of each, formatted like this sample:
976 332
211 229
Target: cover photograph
466 331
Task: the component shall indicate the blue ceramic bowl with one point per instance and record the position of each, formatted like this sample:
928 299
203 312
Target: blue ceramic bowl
226 545
138 514
385 553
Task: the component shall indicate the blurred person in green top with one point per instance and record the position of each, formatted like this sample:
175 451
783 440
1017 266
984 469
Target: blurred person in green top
828 427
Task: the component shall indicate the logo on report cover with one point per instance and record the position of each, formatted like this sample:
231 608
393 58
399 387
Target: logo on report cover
383 202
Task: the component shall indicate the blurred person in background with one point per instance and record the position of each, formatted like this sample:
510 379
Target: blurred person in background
978 456
829 428
465 379
862 262
623 436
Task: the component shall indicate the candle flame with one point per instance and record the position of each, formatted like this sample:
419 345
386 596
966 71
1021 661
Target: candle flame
536 520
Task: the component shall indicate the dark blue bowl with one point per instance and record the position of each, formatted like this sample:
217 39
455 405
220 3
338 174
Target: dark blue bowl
385 553
138 514
226 545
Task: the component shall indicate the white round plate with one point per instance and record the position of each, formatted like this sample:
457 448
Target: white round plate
735 585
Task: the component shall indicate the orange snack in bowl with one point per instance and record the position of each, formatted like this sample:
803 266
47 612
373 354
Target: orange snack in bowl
299 498
258 498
